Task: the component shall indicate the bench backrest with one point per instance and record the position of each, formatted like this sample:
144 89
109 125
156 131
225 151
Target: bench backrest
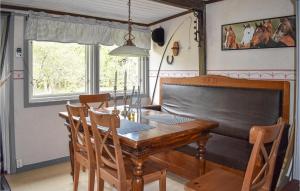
237 104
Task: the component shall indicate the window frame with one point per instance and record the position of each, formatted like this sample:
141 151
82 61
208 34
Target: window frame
142 75
92 81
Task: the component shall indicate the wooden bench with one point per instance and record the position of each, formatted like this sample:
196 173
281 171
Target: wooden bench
237 105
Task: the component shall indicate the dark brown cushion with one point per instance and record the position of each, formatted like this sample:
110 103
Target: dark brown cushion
235 109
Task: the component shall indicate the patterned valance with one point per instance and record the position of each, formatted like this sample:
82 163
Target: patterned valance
46 27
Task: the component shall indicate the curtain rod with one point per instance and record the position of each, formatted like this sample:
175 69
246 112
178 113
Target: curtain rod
15 12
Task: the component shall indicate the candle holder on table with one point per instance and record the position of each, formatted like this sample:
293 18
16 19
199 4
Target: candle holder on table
130 112
124 112
115 110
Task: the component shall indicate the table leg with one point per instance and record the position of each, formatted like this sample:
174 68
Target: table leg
138 181
201 153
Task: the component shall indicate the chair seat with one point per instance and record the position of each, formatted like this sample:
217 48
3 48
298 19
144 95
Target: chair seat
214 180
82 157
151 171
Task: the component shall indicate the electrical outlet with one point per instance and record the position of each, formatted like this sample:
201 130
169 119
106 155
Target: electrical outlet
18 166
19 163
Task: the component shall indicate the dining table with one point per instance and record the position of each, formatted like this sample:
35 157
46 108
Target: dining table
149 132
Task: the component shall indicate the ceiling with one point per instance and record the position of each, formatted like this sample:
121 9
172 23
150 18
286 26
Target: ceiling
143 11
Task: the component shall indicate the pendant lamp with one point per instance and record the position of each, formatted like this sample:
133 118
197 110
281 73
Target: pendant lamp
129 49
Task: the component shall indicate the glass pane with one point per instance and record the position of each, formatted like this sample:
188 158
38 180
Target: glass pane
58 68
110 64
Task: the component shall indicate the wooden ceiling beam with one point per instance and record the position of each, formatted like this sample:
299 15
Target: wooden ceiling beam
211 1
21 8
186 4
170 17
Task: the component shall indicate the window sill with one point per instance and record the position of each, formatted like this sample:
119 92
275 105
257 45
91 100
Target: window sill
73 99
44 102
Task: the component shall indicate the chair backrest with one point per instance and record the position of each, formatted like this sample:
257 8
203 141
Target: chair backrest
108 149
261 165
101 99
81 135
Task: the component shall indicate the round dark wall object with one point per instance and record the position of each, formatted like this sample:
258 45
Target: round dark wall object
158 36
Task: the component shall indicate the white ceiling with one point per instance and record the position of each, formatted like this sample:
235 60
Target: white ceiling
143 11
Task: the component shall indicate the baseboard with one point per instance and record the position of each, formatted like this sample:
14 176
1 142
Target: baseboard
42 164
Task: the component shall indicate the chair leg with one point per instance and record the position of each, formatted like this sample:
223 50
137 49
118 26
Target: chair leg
76 175
100 184
91 179
162 181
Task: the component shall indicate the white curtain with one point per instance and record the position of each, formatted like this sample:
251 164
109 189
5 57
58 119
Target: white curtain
4 111
5 95
46 27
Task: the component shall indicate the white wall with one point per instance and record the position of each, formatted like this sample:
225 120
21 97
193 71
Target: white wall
186 63
39 133
281 60
275 64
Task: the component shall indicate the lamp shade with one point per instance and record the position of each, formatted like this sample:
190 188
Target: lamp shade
129 51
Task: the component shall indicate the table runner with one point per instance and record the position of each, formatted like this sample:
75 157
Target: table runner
168 119
126 126
130 127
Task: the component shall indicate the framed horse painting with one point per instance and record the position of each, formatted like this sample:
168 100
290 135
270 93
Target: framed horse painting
265 33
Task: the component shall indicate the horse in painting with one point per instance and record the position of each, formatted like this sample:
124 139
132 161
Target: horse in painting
262 37
247 37
230 39
285 33
268 26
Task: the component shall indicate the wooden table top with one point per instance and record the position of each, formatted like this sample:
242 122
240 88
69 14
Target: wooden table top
162 134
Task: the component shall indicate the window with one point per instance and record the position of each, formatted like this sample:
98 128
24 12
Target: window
134 66
61 71
57 70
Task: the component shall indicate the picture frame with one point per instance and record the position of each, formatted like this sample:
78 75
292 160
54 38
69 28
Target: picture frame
276 32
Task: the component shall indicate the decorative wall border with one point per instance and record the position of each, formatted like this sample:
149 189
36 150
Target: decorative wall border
257 74
247 74
18 74
174 73
278 74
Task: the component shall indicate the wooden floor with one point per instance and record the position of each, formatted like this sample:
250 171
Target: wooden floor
57 177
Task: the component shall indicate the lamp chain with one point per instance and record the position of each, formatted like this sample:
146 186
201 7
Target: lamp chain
129 20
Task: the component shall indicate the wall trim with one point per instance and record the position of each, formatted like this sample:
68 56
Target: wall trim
296 165
256 70
174 73
12 140
172 70
289 75
43 164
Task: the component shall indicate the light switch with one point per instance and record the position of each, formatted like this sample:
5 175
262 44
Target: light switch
19 52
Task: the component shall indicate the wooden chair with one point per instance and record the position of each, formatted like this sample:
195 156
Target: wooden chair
111 166
83 150
260 167
101 99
